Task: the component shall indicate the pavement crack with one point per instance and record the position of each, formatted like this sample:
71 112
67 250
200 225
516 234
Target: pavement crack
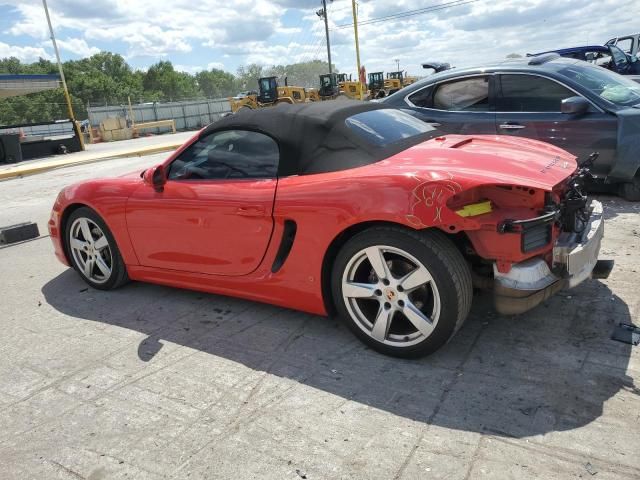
66 470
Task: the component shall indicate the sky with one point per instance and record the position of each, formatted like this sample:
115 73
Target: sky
204 34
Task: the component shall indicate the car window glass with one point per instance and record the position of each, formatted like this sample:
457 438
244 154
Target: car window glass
467 94
608 85
618 55
529 93
625 44
422 98
228 154
383 127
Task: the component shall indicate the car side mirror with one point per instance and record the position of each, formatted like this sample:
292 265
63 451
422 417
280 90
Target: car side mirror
575 105
155 177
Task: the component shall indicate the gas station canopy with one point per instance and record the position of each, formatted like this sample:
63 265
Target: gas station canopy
14 85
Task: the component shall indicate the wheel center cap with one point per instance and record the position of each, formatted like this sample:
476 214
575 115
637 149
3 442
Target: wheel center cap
390 294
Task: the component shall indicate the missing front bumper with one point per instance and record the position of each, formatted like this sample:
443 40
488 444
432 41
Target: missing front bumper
531 282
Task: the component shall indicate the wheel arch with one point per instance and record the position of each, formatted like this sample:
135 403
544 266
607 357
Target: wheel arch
64 219
459 240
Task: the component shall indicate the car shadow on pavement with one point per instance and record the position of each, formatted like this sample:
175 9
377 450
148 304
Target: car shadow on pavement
551 369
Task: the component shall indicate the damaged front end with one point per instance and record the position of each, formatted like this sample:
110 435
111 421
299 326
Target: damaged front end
576 223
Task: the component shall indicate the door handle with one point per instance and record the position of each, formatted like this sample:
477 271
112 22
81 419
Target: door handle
251 211
512 126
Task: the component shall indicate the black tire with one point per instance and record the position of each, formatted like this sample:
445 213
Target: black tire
445 264
118 275
631 190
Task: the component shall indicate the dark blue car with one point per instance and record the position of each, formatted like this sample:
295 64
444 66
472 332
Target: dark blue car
610 57
577 106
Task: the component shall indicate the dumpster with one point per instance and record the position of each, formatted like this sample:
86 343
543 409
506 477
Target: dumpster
10 148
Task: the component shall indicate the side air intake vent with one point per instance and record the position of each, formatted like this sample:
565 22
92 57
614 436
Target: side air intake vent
288 236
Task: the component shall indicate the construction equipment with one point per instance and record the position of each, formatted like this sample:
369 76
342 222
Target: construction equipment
342 78
333 85
379 87
409 79
353 89
393 82
402 77
376 85
329 88
312 94
350 88
269 93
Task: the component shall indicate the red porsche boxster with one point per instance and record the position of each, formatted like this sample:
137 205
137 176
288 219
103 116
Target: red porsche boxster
343 207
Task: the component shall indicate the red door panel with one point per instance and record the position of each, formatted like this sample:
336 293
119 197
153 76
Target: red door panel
218 227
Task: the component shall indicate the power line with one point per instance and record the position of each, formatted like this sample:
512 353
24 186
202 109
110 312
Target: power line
409 13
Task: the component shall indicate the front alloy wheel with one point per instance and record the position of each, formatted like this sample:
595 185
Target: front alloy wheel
92 250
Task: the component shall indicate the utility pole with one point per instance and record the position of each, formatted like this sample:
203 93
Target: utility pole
323 13
72 117
355 31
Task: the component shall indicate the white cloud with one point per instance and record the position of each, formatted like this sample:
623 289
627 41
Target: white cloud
216 65
24 54
143 39
77 46
246 31
192 69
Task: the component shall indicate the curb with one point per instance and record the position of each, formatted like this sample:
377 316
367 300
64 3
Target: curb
33 169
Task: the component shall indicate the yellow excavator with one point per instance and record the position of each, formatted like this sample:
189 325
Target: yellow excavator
269 93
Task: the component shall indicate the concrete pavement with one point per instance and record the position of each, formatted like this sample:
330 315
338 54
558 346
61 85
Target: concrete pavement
149 382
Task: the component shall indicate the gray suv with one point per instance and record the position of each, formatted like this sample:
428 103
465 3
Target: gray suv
577 106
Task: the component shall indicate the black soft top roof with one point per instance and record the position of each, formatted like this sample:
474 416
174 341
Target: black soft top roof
313 137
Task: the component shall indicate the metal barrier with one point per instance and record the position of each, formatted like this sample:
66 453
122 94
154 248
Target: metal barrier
187 115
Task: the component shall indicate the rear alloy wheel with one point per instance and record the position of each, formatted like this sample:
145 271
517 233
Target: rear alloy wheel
403 293
93 251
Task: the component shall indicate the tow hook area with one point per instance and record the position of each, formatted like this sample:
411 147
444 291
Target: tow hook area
525 286
602 269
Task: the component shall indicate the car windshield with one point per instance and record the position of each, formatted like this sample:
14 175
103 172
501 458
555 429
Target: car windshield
383 127
608 85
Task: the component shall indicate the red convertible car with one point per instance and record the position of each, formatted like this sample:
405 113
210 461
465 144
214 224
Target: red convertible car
342 207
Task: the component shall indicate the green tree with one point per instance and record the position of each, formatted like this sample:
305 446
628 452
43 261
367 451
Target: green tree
304 74
216 83
163 82
106 78
247 76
